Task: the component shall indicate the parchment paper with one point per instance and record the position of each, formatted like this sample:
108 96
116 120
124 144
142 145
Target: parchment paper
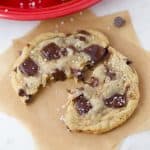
42 117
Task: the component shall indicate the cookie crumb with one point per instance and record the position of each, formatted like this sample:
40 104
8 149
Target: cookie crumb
61 118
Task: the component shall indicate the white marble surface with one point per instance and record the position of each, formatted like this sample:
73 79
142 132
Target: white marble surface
13 135
140 13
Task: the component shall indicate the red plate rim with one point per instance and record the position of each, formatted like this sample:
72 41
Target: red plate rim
45 13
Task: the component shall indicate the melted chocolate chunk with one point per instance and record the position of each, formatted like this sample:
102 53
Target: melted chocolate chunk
116 101
82 104
94 82
119 21
96 52
29 67
84 32
128 62
51 51
79 74
59 75
81 38
111 74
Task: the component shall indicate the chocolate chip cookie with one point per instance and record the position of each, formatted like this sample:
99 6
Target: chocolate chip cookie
110 91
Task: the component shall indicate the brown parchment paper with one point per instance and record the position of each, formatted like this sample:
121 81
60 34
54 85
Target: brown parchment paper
42 117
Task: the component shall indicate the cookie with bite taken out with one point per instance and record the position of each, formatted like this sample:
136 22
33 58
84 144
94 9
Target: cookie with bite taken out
110 92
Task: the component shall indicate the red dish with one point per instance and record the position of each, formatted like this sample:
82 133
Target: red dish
41 9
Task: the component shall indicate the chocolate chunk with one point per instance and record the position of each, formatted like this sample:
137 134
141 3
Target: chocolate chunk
51 51
82 104
64 52
128 62
29 67
116 101
22 92
84 32
111 74
119 21
59 75
79 74
68 34
94 82
96 52
81 38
